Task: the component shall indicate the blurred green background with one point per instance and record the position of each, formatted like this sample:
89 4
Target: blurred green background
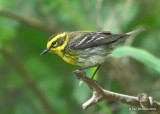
34 84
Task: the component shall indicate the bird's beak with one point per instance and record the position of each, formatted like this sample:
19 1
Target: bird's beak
45 51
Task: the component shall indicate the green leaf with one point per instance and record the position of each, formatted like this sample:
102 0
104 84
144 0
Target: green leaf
140 55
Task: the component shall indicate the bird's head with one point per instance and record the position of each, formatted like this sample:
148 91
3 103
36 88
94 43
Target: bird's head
56 43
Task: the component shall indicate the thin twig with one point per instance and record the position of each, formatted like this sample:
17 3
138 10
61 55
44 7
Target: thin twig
99 94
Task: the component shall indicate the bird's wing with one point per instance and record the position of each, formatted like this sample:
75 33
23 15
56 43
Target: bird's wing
92 39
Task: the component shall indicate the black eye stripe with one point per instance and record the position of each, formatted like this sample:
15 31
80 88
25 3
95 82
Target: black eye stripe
61 41
58 42
53 43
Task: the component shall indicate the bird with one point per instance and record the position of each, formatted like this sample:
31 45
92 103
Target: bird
86 48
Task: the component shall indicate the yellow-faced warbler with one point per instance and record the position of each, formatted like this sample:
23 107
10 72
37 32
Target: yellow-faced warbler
85 48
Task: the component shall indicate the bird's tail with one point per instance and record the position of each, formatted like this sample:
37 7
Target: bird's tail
136 31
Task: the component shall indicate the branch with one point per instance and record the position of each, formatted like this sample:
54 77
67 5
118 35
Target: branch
28 79
28 21
99 94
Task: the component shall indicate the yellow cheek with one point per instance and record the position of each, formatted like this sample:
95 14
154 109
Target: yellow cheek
57 51
52 50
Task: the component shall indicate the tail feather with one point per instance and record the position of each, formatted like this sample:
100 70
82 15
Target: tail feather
136 31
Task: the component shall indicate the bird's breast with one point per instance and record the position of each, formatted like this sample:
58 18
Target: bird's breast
70 59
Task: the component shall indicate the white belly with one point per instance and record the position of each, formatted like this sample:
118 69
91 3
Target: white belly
94 56
91 61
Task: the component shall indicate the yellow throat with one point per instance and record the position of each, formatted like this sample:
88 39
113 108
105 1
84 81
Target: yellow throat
58 50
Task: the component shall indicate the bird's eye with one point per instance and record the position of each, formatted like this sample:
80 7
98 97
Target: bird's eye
54 44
